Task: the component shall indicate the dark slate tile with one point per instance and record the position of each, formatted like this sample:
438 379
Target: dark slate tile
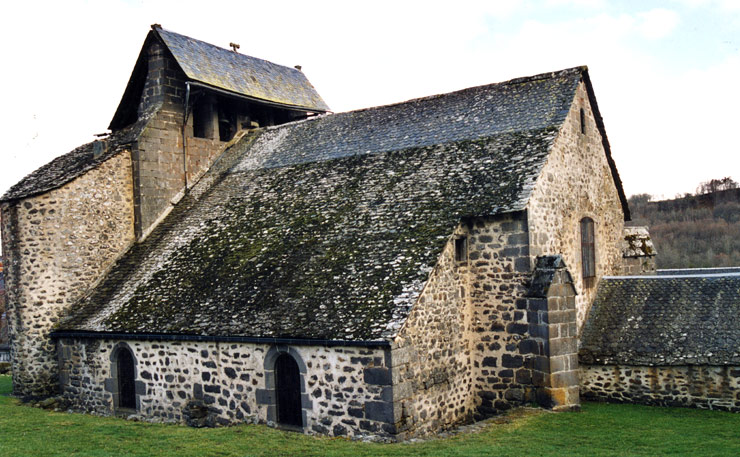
665 320
241 73
328 228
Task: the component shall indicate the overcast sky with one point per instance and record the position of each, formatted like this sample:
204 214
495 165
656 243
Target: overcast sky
665 73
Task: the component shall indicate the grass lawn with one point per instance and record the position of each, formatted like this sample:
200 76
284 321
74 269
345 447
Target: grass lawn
601 429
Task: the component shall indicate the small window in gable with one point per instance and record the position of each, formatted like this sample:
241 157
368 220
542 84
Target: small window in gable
583 121
588 248
461 249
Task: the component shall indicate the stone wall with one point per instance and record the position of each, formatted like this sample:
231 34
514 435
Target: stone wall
552 347
3 317
638 252
432 355
345 391
577 182
467 350
56 246
703 386
632 266
499 272
160 158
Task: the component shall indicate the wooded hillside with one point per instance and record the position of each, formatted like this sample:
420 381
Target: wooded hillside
693 231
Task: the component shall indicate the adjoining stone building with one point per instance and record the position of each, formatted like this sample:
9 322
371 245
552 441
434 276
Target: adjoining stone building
670 339
229 253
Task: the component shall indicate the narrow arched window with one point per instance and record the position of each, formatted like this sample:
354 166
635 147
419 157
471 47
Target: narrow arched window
126 374
461 249
583 121
588 248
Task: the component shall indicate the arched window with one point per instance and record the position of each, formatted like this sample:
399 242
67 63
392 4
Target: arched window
588 248
126 375
288 391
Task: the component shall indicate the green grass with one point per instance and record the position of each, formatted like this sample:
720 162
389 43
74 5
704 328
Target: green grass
600 430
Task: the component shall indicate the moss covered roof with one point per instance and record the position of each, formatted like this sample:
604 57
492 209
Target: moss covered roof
684 319
328 228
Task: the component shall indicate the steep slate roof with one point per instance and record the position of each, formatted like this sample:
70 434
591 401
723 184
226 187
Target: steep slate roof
80 160
664 320
328 228
241 74
222 70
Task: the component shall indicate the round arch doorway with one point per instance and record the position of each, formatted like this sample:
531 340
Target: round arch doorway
288 392
126 378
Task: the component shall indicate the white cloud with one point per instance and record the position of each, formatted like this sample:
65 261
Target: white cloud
658 23
679 130
730 5
577 3
68 76
727 5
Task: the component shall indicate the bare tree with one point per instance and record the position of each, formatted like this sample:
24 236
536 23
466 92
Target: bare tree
715 185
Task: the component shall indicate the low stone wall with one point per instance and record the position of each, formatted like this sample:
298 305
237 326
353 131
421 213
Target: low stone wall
704 386
345 391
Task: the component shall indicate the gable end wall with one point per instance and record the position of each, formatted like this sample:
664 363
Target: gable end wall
577 182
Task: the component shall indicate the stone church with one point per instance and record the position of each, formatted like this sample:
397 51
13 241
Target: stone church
233 251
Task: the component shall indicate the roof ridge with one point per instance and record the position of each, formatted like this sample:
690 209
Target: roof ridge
534 132
519 80
707 275
162 29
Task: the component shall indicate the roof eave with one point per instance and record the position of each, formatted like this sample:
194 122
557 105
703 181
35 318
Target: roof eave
256 99
605 142
87 334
